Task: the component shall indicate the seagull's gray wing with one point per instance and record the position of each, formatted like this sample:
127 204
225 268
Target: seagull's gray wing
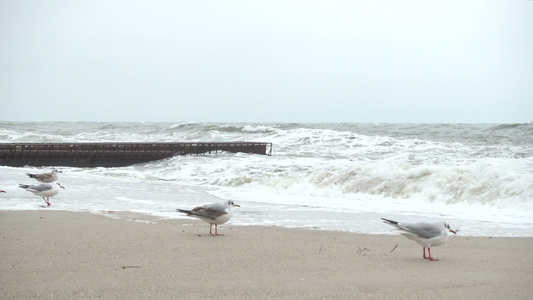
44 177
38 188
42 187
424 230
211 211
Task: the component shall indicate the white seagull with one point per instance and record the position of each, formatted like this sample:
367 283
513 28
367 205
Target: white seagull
425 234
45 177
214 214
45 190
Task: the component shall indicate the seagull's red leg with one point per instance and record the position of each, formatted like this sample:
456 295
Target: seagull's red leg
210 229
431 258
47 201
216 230
425 253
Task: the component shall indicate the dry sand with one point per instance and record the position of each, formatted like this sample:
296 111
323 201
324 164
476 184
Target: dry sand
66 255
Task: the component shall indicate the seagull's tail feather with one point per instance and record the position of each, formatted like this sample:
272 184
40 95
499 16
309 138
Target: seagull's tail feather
24 186
390 222
32 175
188 212
407 232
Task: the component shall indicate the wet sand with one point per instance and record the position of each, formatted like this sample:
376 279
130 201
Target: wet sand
50 254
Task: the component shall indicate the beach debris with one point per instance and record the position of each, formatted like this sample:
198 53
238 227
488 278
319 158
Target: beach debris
394 248
214 214
424 233
130 267
361 250
319 251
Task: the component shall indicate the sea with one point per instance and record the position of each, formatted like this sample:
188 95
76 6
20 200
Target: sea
320 176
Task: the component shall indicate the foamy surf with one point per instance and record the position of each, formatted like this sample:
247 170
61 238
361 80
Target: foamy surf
323 176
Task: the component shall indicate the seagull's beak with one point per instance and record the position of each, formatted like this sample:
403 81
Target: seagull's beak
454 232
62 187
236 205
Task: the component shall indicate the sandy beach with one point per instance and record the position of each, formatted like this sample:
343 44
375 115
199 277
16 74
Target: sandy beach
66 255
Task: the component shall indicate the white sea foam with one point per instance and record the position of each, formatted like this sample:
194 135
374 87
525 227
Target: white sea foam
327 176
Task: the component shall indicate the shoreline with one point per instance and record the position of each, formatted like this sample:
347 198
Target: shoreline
79 255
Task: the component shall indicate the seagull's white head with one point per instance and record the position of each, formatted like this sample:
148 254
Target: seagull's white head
230 203
447 226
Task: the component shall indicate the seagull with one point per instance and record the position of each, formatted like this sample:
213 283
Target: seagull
214 214
45 190
425 234
46 177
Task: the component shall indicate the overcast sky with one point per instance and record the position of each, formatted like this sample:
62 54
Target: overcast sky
267 61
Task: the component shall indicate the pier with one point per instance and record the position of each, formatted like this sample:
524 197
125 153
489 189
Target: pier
114 154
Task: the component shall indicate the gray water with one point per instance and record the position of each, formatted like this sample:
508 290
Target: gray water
335 176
